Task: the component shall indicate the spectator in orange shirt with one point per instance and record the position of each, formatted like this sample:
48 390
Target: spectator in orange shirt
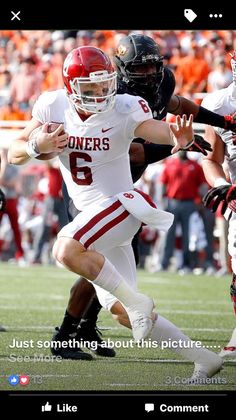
103 40
25 85
11 111
192 72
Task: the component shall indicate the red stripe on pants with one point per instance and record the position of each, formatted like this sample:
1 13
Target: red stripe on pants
107 227
96 219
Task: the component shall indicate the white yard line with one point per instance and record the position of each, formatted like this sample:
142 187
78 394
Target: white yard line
43 296
160 309
122 359
13 296
50 328
129 360
195 312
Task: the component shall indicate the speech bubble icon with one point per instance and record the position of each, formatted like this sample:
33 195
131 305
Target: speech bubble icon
149 407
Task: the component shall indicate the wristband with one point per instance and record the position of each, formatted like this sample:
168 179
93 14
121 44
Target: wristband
220 181
188 145
32 148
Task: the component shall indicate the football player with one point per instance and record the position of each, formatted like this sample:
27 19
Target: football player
223 192
141 72
95 168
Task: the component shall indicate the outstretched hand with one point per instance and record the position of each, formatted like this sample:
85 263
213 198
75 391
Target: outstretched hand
183 133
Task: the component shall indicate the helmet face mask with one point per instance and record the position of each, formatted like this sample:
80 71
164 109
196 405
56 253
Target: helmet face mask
96 93
139 63
140 75
90 80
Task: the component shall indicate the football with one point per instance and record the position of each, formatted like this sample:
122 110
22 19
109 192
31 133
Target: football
51 127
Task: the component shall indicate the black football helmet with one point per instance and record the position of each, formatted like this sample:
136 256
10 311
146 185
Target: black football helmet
134 51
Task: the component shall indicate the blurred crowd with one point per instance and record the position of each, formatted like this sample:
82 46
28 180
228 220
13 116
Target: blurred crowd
31 62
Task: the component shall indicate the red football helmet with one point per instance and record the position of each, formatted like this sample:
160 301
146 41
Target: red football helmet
90 79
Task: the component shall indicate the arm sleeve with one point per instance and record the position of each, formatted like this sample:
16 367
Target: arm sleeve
205 116
156 152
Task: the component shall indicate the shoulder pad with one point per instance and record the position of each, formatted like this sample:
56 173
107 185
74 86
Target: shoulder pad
127 103
215 100
49 98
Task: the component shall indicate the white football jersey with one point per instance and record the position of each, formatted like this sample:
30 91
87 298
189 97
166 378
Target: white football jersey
223 102
95 164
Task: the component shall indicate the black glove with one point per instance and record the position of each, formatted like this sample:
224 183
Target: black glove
199 145
2 200
231 194
224 194
230 123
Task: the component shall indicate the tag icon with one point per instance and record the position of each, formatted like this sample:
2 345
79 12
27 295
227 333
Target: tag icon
190 15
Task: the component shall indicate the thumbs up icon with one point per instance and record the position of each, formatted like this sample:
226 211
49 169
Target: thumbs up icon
46 407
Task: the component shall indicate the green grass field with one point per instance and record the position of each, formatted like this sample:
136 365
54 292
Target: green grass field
32 303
